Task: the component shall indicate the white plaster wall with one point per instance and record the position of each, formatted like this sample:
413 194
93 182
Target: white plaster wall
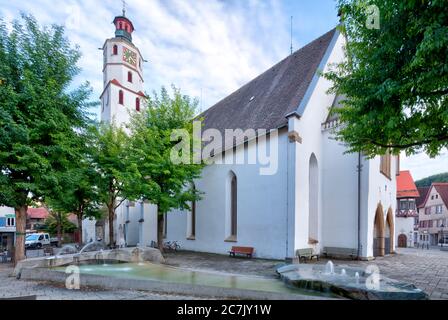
262 203
340 187
404 226
309 128
88 230
380 190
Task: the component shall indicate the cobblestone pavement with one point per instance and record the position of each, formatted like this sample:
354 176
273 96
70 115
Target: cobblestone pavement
12 288
426 269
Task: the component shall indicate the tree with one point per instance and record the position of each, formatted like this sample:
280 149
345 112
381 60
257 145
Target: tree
58 223
117 174
79 193
394 82
39 116
428 181
163 182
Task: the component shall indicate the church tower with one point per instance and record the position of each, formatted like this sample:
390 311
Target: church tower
122 74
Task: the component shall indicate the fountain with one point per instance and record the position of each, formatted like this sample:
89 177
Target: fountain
67 249
92 245
329 268
347 282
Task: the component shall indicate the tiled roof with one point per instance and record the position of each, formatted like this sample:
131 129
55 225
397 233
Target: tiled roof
37 213
442 189
406 187
423 192
265 102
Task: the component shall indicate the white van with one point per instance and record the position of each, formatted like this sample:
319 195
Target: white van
37 240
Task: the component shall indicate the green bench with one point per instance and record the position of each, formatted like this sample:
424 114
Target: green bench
306 254
335 252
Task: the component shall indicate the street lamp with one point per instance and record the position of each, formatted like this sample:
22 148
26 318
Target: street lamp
441 235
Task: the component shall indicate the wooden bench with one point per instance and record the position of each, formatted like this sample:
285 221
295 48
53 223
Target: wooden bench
306 254
247 251
340 252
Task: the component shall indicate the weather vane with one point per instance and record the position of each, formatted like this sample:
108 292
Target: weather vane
124 7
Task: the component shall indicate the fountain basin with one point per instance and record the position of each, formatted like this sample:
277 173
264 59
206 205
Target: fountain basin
348 282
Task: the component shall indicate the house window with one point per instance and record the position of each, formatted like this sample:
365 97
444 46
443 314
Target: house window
115 50
385 164
404 205
137 104
428 210
10 222
121 97
130 76
439 209
412 205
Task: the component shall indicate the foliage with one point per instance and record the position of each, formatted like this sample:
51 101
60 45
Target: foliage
51 224
394 82
426 182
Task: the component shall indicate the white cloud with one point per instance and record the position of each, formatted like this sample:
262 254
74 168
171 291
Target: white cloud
422 166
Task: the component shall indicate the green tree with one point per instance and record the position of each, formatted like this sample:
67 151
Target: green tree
428 181
79 193
39 115
163 182
58 224
394 82
117 175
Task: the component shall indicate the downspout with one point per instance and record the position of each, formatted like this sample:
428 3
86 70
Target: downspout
359 205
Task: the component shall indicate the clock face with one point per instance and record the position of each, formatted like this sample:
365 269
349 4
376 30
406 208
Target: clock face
129 56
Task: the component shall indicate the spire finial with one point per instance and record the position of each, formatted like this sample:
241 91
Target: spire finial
292 49
124 7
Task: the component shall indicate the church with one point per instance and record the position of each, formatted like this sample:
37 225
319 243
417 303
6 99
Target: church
318 197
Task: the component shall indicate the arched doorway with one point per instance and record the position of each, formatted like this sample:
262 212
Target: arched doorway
402 241
389 234
313 222
378 232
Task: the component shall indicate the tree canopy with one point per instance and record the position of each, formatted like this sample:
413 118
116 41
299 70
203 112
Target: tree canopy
394 82
426 182
40 114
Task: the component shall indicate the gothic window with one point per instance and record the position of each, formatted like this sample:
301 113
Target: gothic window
129 76
137 104
121 97
115 50
233 206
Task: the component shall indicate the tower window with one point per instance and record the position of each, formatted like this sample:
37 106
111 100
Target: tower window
129 76
120 26
121 97
137 104
115 50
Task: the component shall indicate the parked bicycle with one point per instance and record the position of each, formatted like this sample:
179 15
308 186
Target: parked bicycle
171 245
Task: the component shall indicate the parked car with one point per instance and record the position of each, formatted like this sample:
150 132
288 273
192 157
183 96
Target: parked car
37 240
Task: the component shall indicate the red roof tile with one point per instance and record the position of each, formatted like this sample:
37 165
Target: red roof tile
442 189
37 213
423 192
406 187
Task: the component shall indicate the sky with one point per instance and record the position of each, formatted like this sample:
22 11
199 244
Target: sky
207 48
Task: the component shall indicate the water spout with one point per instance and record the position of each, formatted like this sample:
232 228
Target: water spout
343 273
357 278
329 268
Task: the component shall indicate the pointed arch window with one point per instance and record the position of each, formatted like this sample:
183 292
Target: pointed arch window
121 97
137 104
115 50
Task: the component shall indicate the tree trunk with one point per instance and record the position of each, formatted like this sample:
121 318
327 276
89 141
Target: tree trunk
59 228
160 224
79 215
19 251
111 225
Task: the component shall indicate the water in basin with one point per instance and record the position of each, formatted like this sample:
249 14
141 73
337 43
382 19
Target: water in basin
150 271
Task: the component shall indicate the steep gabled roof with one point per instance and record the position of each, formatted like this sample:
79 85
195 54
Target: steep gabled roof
423 193
442 190
265 102
406 187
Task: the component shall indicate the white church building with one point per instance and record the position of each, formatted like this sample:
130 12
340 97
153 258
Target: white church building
318 196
